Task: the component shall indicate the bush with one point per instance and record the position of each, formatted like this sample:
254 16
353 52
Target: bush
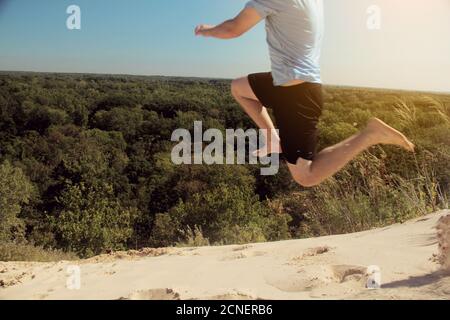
193 238
91 220
225 215
15 190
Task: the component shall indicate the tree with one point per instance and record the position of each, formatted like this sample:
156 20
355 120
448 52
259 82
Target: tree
90 220
125 120
15 190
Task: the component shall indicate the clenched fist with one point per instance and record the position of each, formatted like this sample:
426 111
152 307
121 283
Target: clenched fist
201 29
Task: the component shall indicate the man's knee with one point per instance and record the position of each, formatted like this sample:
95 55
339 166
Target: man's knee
236 87
241 88
305 181
303 176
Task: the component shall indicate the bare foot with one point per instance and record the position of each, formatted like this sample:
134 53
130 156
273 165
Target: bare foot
385 134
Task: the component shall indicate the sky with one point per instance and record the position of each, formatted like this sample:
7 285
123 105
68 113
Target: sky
410 50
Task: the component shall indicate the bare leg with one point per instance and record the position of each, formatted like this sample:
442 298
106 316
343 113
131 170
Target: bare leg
244 95
333 159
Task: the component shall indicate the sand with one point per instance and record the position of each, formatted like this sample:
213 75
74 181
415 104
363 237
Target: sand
333 267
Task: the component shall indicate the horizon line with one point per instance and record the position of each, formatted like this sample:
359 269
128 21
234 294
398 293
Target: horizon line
216 78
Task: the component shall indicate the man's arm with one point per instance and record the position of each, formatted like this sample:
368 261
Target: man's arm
233 28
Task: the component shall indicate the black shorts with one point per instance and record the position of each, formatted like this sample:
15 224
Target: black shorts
297 110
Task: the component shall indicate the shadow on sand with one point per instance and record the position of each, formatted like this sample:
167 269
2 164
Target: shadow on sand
418 281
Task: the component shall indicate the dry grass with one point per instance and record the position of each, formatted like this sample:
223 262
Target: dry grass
443 230
27 252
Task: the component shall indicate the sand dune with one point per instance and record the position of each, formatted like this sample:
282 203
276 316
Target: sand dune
332 267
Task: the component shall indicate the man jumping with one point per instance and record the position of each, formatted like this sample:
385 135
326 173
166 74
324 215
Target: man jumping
293 89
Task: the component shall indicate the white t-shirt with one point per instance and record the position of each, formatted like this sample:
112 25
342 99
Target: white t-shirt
294 35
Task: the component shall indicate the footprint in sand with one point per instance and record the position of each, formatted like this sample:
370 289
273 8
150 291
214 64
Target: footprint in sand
242 252
243 255
42 296
316 251
232 296
345 273
14 278
305 258
153 294
237 256
319 276
241 248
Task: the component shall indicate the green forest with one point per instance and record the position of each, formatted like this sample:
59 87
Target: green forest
85 167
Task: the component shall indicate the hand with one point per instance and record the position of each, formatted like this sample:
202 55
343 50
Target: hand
200 29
